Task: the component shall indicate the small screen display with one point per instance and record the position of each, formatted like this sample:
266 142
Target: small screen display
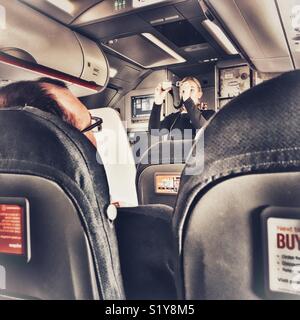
141 106
12 229
167 183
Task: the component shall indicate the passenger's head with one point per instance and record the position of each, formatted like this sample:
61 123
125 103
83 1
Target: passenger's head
196 90
51 96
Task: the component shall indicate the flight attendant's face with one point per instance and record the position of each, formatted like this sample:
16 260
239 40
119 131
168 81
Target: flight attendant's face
189 89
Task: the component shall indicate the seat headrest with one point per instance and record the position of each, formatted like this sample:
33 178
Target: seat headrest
164 152
256 132
37 143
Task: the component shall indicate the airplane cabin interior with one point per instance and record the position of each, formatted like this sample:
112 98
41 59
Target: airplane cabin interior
215 216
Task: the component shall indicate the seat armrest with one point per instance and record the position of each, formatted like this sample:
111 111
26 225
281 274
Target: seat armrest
155 211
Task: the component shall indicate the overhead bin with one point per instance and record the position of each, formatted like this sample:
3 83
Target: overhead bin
64 11
256 28
33 45
106 9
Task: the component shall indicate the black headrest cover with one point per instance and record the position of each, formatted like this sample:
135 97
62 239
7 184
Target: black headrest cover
37 143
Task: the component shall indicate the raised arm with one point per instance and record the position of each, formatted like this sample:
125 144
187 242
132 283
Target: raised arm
195 114
190 96
156 124
154 121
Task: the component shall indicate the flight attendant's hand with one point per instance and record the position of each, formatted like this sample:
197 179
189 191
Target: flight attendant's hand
188 91
160 93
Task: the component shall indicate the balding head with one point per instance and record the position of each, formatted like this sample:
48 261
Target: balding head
49 95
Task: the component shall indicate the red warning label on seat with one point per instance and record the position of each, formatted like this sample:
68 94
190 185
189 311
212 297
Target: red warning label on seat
11 229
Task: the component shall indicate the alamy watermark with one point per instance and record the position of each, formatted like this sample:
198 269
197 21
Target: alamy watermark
160 147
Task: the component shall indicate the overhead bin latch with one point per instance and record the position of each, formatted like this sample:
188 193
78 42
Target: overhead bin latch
206 11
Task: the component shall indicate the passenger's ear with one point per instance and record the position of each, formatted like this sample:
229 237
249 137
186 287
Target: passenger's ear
91 137
2 102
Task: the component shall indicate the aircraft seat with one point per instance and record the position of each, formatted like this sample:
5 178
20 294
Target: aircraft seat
159 171
57 240
116 154
237 218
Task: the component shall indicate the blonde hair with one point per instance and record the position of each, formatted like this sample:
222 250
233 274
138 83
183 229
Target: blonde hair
195 80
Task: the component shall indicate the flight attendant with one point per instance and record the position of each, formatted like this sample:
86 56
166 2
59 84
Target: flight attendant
190 116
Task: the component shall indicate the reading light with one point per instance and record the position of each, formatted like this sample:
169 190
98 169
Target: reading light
164 47
219 36
143 3
2 18
112 72
64 5
296 18
208 60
